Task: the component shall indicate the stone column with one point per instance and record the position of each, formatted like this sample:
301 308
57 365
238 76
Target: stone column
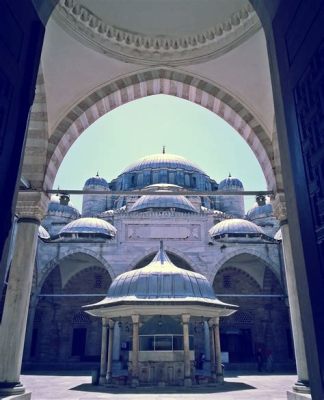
103 356
186 350
116 348
111 324
135 350
212 351
207 341
302 384
14 319
218 354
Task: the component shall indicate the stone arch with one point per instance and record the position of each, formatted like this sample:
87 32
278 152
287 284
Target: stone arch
54 262
247 276
226 257
152 82
79 277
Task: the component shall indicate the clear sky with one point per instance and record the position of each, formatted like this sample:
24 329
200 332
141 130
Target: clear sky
142 127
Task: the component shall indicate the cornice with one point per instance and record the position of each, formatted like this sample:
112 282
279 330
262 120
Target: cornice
137 48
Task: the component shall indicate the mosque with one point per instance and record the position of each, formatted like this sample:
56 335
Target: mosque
209 239
257 64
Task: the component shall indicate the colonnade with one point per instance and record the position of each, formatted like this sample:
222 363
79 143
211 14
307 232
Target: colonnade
110 341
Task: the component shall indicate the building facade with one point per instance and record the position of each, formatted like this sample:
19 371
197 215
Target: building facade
79 255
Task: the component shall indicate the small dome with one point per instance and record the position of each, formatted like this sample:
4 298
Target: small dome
163 187
235 227
230 183
66 210
88 226
161 279
96 181
163 202
108 213
258 211
42 233
278 235
163 160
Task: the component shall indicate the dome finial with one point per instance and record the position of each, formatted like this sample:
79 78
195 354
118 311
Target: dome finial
97 174
161 251
229 175
163 150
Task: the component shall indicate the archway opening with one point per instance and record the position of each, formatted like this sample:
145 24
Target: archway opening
59 332
262 322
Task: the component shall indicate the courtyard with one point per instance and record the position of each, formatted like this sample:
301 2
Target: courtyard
238 386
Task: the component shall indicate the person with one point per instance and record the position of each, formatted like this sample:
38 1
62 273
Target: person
269 364
259 358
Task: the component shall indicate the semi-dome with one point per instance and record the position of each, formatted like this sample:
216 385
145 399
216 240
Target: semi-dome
230 183
96 181
260 211
163 160
88 226
235 227
163 202
42 233
55 207
278 235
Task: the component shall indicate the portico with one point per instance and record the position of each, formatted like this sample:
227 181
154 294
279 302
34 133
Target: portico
161 333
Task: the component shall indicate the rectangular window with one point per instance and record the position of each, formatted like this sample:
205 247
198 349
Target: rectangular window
79 341
146 343
163 343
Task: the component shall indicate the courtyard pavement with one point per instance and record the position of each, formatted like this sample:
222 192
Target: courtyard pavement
74 386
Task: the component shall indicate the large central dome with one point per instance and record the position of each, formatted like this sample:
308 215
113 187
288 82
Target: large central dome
163 168
162 160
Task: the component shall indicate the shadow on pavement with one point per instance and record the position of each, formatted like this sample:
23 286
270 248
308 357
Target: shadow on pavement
226 387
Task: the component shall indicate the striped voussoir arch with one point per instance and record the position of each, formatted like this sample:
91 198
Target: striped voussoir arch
159 81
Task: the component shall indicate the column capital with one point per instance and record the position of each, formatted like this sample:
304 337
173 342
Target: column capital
185 318
278 202
135 319
213 322
32 205
111 323
104 322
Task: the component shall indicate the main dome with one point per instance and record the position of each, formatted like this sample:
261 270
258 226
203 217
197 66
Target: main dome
163 168
163 160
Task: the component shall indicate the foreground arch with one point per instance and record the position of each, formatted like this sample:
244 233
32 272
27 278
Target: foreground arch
152 82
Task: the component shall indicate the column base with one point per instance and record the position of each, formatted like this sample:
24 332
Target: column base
299 391
12 389
219 378
102 380
292 395
187 382
22 396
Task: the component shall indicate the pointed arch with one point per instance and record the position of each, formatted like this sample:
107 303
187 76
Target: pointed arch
54 262
160 81
271 264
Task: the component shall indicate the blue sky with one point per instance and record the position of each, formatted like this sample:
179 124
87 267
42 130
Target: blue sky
142 127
